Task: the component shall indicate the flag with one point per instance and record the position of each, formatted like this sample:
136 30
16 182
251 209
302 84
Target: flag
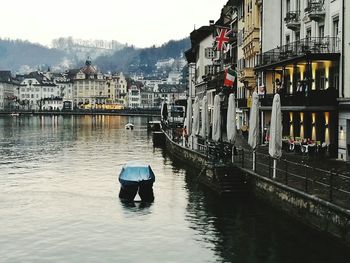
222 38
230 77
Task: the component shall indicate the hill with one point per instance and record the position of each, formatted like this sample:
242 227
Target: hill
23 56
133 60
17 54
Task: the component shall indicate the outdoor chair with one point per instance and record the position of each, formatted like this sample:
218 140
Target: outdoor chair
311 151
297 148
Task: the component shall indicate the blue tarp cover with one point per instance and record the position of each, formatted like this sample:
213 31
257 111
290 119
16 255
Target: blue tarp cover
136 172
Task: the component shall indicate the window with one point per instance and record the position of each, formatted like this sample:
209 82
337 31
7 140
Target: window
336 27
297 35
287 39
209 52
209 69
288 6
321 31
308 34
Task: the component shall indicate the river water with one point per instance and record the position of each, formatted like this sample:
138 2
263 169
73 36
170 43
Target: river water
59 202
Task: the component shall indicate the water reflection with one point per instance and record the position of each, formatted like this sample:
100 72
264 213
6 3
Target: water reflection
243 229
59 202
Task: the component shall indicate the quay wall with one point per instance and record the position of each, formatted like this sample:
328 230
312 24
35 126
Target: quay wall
314 212
328 219
187 155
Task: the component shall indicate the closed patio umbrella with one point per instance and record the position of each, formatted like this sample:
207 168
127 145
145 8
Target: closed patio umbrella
275 143
195 125
254 122
164 111
188 121
205 118
253 135
231 119
216 134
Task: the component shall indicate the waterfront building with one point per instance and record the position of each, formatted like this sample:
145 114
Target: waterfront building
200 57
121 88
304 68
65 86
147 97
169 94
242 94
344 96
8 91
35 88
134 96
89 87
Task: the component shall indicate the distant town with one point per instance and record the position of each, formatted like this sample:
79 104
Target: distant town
87 88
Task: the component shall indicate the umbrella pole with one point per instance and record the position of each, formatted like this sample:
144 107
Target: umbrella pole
274 169
233 153
254 155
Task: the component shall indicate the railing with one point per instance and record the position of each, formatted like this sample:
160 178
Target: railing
217 80
315 6
310 45
242 103
292 17
326 97
328 185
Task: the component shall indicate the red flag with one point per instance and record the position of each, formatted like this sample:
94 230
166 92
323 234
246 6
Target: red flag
222 38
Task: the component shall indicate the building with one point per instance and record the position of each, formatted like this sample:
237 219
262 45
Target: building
89 87
36 87
344 96
8 91
134 96
304 69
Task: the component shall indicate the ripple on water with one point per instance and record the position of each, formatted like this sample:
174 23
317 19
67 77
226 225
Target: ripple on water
59 202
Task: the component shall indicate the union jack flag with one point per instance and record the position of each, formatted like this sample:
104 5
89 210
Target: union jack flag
222 37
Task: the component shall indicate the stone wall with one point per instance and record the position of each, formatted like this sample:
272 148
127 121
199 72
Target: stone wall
321 215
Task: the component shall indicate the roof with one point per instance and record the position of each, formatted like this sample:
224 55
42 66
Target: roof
88 69
171 88
201 33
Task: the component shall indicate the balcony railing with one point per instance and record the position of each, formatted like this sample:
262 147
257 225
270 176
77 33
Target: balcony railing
326 97
292 20
315 10
310 45
242 103
216 80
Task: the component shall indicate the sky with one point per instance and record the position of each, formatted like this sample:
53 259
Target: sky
138 22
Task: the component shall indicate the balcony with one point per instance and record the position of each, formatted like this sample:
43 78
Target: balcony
313 98
247 77
242 103
292 20
216 80
317 46
315 10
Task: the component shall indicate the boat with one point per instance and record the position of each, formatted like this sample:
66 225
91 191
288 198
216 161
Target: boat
154 126
129 126
14 114
136 178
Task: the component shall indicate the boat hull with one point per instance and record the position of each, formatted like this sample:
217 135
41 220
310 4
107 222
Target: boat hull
128 191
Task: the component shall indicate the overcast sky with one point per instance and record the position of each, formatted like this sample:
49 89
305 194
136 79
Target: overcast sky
138 22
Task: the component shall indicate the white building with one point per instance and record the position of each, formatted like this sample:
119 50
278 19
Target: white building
134 97
35 87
